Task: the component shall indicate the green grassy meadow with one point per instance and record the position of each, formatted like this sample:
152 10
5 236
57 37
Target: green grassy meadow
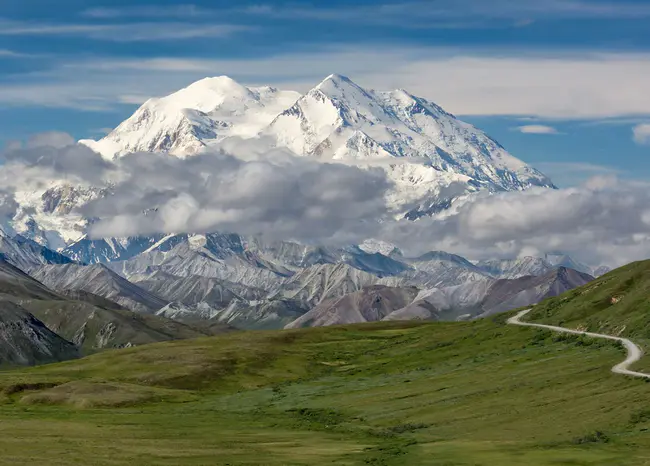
471 393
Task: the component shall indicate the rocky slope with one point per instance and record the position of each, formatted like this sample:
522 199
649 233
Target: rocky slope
511 294
45 323
195 290
25 253
468 300
93 328
315 284
367 305
99 280
25 340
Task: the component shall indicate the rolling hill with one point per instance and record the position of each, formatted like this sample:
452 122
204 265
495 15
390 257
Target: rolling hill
389 393
616 303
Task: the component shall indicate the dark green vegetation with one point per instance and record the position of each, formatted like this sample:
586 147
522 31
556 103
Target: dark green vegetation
472 393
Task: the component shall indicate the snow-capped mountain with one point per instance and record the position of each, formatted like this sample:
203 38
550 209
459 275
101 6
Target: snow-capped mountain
26 254
515 268
46 214
339 119
432 157
183 123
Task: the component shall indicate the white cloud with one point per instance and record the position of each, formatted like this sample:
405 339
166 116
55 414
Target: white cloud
641 133
602 222
274 193
568 86
537 129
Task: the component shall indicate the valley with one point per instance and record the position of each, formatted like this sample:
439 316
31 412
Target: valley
278 233
184 346
479 392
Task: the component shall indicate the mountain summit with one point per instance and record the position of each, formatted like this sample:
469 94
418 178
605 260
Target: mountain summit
431 157
184 122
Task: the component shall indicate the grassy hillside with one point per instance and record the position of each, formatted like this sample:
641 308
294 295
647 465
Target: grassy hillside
617 303
474 393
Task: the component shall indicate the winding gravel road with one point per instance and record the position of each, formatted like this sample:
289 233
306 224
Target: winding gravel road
634 353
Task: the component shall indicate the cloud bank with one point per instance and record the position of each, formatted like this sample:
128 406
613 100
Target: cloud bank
252 190
603 221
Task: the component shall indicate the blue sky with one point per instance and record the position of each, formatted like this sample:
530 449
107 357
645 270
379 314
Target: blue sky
563 84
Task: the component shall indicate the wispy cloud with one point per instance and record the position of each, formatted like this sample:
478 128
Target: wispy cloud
575 173
619 121
132 32
147 11
591 168
641 134
568 86
537 129
423 14
462 13
9 53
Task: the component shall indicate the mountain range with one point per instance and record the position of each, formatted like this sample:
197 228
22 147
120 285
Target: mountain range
432 158
99 293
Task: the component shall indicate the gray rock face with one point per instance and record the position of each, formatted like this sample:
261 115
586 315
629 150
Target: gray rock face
370 304
315 284
193 290
25 340
99 280
515 268
93 328
471 299
261 315
505 295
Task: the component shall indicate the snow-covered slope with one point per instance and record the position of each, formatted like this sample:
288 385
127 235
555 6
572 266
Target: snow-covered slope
27 254
101 251
341 120
430 155
46 213
207 111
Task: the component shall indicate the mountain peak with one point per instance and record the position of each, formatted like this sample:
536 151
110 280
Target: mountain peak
336 78
220 84
336 84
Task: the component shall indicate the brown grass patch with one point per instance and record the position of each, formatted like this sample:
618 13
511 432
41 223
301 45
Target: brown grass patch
85 394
